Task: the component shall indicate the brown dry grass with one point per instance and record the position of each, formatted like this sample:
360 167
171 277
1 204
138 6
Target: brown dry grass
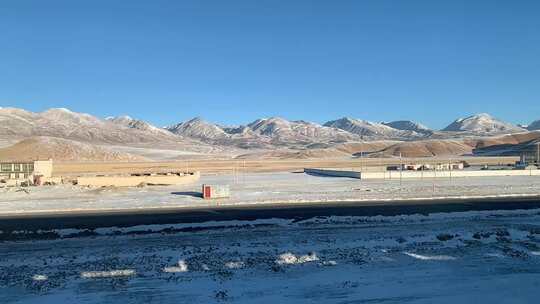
427 148
231 166
62 149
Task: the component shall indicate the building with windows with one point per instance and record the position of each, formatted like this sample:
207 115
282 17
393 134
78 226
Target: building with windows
427 167
26 171
16 170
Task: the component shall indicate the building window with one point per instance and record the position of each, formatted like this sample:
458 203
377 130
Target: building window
17 167
16 175
5 167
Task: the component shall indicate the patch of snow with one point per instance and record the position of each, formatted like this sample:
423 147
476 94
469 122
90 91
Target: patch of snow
63 110
235 265
430 258
329 263
495 255
291 259
107 274
182 267
39 277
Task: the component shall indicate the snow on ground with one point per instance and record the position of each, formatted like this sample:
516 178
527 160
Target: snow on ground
273 188
470 257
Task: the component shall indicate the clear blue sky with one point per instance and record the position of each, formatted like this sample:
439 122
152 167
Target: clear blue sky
234 61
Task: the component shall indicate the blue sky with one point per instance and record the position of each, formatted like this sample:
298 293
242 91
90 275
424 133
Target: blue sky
235 61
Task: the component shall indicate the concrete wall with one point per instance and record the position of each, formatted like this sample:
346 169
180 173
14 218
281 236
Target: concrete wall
133 181
336 173
447 174
392 175
43 168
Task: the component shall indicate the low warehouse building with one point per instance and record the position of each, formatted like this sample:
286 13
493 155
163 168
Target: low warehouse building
429 174
133 180
424 167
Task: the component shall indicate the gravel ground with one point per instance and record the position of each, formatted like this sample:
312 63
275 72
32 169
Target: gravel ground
470 257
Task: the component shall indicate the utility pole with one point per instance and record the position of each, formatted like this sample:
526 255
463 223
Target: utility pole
400 169
450 169
434 177
538 153
244 172
361 162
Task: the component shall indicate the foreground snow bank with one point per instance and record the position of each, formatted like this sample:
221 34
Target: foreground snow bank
430 257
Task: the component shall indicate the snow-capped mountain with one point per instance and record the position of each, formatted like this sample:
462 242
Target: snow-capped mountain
198 128
299 130
407 125
365 128
63 123
137 124
261 133
482 124
266 133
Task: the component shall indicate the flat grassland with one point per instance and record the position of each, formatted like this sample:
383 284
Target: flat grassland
236 166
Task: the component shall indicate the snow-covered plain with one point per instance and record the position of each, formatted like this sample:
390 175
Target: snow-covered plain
470 257
261 188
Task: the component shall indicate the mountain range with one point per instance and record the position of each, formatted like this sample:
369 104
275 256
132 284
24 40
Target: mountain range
200 136
278 131
64 123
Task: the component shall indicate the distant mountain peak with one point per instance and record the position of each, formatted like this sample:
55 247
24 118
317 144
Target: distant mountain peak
197 119
533 126
481 124
268 126
408 125
138 124
198 128
126 117
363 127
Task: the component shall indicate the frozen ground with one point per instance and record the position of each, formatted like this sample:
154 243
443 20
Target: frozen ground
471 257
270 188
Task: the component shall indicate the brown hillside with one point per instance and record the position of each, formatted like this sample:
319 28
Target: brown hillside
62 150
